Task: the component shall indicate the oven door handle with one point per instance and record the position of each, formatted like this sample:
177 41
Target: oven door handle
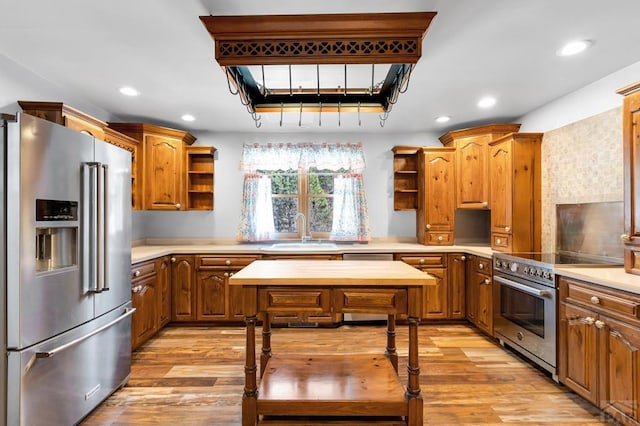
523 288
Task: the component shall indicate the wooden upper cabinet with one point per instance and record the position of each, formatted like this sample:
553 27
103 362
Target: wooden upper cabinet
123 141
65 115
631 161
405 177
514 172
472 162
163 184
436 197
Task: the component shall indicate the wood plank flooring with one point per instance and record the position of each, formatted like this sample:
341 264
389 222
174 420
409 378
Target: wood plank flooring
194 376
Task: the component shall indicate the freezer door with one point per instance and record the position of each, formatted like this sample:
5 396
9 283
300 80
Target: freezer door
114 231
44 292
59 381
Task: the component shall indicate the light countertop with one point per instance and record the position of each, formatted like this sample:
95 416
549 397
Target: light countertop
147 252
614 277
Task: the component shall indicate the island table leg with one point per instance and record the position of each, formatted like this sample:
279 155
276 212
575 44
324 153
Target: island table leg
250 395
266 342
414 398
391 352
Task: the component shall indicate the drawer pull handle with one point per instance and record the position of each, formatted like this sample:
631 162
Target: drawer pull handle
498 241
588 320
428 226
481 266
178 206
226 274
421 261
595 300
440 238
485 204
506 228
136 273
487 281
227 262
463 258
600 324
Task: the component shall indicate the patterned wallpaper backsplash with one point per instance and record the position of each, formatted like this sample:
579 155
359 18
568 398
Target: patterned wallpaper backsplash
581 163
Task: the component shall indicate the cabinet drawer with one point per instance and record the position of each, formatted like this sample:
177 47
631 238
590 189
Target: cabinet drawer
302 257
419 261
440 238
501 242
311 300
141 270
482 265
223 262
596 298
383 301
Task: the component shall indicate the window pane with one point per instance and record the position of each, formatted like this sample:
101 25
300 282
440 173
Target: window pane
284 214
284 184
320 184
321 214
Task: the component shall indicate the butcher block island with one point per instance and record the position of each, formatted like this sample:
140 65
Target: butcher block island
301 387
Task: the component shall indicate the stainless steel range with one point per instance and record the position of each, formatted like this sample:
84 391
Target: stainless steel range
525 301
525 306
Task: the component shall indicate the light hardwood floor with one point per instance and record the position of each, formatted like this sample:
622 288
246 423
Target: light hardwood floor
194 376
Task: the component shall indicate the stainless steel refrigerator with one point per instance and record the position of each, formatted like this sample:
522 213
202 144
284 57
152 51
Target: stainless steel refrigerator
66 259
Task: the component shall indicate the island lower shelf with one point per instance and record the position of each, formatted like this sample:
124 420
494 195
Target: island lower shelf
331 386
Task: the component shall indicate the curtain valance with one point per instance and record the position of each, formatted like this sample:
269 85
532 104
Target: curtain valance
335 157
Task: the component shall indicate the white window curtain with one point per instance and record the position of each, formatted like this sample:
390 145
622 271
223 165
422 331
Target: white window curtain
350 218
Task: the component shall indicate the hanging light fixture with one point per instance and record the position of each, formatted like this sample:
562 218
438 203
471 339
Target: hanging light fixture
318 63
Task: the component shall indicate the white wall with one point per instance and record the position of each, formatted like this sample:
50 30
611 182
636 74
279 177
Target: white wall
222 223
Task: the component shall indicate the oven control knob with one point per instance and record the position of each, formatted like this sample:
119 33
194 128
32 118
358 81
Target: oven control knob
525 270
513 267
538 273
546 275
532 271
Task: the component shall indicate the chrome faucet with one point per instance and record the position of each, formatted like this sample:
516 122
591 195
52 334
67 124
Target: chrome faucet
304 236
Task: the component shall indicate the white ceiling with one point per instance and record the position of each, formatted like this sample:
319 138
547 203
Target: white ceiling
505 48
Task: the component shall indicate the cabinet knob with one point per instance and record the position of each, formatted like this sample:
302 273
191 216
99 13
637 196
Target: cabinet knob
230 274
136 289
173 260
487 281
463 258
136 273
178 206
226 274
498 241
440 238
481 266
427 226
625 237
227 262
588 320
421 261
595 300
600 324
507 229
485 204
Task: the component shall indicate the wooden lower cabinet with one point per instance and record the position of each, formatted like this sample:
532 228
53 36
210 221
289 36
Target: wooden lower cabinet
479 294
144 298
163 278
183 285
211 295
599 341
445 299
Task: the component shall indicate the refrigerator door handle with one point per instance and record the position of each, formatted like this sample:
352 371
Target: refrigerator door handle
90 268
104 228
127 313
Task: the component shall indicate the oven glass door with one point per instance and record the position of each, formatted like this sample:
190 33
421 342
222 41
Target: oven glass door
522 308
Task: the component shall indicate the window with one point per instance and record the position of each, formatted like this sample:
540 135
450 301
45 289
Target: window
321 182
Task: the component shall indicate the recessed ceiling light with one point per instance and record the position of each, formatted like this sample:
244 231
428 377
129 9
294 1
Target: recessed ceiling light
487 102
129 91
443 119
573 48
188 117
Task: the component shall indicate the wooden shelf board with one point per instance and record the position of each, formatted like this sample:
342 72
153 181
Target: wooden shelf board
406 172
314 385
198 172
408 191
201 191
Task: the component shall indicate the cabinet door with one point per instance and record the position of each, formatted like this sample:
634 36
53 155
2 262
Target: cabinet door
631 158
473 182
236 300
439 190
619 368
577 367
457 274
184 288
501 178
485 303
163 173
211 295
471 290
436 296
144 322
163 279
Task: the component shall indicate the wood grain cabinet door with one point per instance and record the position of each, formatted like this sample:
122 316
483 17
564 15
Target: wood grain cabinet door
485 303
436 297
211 295
163 170
631 161
457 279
619 368
144 322
183 284
163 278
578 361
436 196
501 178
472 180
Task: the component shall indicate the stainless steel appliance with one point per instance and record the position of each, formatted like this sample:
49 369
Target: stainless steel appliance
66 259
525 301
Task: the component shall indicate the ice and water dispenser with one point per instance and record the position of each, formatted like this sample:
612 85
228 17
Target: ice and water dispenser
56 245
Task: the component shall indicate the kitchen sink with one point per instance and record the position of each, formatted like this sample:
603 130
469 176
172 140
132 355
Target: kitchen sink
307 246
